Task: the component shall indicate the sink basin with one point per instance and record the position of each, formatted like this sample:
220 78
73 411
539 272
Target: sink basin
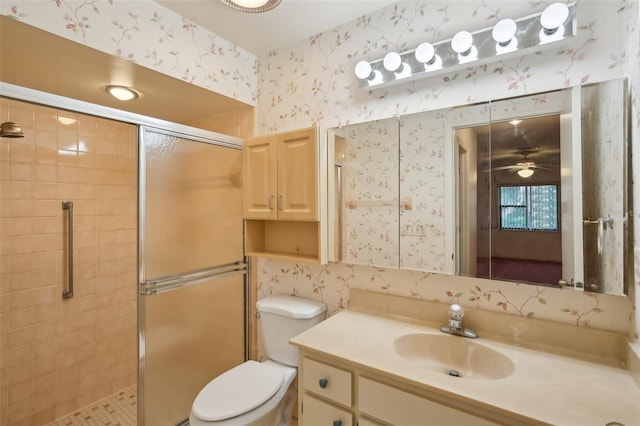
453 354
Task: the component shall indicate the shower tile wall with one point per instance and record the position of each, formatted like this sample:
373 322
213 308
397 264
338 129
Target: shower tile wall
56 355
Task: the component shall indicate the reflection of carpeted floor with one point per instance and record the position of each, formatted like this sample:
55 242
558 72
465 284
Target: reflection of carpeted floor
527 271
120 409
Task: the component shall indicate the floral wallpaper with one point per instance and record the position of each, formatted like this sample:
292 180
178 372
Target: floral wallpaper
150 35
632 29
370 193
603 183
312 82
331 283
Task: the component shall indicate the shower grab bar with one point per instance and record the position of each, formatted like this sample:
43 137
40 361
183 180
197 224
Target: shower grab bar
67 293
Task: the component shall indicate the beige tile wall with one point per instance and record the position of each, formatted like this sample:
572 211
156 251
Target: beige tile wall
59 355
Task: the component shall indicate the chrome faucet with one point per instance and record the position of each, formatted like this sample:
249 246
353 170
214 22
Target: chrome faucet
455 324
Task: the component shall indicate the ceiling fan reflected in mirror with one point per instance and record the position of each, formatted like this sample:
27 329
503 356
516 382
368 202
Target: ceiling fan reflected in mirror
525 169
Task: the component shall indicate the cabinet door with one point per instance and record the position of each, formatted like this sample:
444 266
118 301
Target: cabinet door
398 407
316 412
298 175
259 178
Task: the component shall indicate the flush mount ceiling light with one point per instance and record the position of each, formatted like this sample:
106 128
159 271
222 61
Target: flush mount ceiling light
122 93
251 6
509 38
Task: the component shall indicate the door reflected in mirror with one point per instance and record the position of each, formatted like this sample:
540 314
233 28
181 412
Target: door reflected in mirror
510 169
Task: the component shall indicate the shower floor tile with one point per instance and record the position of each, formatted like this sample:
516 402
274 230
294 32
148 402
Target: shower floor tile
119 409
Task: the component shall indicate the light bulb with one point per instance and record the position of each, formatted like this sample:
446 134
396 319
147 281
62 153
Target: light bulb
462 44
251 4
392 61
504 34
553 17
363 70
426 54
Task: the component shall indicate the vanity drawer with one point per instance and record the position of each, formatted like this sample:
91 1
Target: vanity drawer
363 421
316 412
402 408
327 381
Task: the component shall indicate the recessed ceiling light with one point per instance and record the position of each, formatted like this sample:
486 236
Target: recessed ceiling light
122 93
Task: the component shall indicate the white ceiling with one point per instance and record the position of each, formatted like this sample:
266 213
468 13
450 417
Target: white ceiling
290 22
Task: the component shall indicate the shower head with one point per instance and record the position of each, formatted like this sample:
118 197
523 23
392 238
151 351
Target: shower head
9 129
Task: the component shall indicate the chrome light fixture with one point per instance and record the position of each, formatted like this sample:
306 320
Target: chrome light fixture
507 39
9 129
251 6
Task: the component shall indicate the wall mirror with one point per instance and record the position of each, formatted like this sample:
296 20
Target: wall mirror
532 189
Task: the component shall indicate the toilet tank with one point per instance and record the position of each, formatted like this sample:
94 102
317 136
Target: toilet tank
283 317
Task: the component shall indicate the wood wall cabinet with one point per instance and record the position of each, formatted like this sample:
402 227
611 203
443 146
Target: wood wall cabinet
337 393
283 188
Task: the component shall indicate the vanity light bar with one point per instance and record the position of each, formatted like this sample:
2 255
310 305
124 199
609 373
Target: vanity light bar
507 39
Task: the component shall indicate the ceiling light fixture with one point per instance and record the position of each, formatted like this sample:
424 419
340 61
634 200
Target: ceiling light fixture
122 93
509 38
525 172
251 6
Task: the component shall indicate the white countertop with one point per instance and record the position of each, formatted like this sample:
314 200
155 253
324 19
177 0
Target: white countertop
543 387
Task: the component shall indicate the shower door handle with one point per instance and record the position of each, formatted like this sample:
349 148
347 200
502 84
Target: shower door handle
67 293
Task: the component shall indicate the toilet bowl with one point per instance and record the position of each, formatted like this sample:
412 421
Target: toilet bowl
261 393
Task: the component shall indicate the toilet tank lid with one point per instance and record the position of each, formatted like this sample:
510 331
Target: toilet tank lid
291 306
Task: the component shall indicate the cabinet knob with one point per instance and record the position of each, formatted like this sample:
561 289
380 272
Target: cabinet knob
337 423
323 384
270 201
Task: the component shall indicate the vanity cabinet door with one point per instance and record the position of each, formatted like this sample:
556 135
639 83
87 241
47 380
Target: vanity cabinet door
316 412
398 407
327 381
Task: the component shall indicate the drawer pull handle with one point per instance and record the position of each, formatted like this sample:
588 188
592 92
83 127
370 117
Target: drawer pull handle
337 423
323 384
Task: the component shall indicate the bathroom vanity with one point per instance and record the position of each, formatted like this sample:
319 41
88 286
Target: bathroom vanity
371 367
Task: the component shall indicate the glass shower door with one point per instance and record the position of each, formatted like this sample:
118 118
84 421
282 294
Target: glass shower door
192 270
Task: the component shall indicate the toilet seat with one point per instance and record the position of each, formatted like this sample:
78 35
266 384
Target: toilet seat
237 391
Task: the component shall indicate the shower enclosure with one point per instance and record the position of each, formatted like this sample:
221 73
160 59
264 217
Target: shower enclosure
60 354
69 334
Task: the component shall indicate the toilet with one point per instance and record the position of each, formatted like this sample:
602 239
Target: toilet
260 393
